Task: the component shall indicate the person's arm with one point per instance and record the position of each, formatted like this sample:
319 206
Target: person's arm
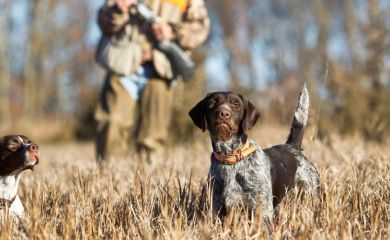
194 29
113 15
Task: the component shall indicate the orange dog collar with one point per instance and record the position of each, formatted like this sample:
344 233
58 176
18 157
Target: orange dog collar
239 154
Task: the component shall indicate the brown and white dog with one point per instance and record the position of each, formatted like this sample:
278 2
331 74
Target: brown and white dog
17 153
242 172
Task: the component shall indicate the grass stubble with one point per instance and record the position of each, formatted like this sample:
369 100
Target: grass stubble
66 197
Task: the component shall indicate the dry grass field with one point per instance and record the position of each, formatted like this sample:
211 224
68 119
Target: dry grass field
66 197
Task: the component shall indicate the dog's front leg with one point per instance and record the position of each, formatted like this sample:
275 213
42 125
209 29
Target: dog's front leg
218 206
266 205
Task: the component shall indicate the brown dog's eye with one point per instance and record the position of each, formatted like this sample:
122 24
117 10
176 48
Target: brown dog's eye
235 103
211 104
13 145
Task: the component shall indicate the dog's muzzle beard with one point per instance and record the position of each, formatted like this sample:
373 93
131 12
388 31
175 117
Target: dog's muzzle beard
223 130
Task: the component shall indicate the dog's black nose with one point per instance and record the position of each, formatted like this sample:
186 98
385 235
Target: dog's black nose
224 114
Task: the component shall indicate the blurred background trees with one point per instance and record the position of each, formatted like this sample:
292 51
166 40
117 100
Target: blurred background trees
264 49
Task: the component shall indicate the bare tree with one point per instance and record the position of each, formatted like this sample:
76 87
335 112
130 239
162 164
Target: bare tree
5 78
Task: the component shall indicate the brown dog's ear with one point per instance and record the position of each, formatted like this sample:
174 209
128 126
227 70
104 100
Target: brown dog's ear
197 114
251 114
2 147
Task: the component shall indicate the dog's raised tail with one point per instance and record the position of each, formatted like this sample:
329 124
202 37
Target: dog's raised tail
300 119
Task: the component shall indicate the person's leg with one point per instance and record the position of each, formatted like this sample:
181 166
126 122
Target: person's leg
155 116
115 116
112 140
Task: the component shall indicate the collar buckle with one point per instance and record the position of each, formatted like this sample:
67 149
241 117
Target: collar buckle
238 155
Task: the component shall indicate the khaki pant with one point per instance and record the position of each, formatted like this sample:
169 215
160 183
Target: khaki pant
119 116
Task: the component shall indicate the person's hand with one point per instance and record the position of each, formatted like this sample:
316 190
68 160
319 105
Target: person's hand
124 5
162 31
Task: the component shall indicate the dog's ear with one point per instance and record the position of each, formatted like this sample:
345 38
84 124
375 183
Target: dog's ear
251 114
2 147
197 114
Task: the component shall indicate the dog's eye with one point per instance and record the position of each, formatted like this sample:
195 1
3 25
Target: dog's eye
211 104
235 103
13 146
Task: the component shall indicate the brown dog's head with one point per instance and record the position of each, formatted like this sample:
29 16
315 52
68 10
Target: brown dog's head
225 115
17 153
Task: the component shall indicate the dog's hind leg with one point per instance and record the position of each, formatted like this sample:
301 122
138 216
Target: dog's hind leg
307 179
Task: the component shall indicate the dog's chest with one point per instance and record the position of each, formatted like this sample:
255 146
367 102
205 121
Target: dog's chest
8 191
9 186
243 177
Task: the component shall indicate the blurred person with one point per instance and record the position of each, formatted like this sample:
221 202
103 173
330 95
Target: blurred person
140 103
